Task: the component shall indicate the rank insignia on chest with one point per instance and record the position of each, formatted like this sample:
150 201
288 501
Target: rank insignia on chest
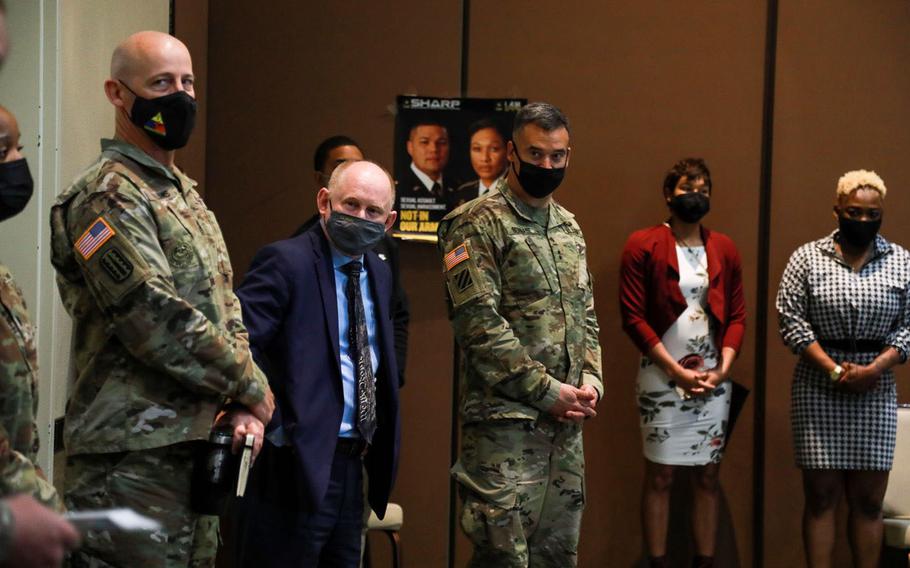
92 239
181 256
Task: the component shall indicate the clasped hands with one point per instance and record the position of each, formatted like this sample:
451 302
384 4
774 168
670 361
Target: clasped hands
858 378
698 383
574 404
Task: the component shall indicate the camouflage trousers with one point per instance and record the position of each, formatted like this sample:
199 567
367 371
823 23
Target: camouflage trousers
155 483
522 484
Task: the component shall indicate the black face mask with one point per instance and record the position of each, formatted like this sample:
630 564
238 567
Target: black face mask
168 121
15 188
538 182
690 207
352 235
858 233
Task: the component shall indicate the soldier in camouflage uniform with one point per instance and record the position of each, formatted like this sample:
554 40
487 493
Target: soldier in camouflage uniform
19 472
21 480
522 310
159 344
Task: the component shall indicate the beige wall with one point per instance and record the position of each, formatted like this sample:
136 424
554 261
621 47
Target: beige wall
52 82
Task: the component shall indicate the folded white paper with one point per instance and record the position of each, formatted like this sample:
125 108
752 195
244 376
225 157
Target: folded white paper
124 519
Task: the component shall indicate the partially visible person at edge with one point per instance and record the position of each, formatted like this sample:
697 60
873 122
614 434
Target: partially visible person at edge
331 153
160 350
29 536
521 301
488 159
843 308
689 328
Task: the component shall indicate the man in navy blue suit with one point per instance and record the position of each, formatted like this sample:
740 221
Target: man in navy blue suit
318 308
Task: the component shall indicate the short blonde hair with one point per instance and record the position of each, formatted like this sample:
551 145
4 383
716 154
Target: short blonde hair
851 181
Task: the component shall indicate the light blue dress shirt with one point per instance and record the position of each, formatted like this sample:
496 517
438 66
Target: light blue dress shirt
348 428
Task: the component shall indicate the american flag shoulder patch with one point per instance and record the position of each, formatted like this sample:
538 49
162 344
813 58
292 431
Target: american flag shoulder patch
456 256
96 235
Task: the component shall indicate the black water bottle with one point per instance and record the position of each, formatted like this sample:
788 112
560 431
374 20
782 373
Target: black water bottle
214 474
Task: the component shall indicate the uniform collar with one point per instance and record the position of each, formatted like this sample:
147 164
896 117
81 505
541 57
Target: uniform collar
558 214
426 180
110 146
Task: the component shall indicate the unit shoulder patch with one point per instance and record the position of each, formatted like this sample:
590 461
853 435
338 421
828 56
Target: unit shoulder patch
464 280
116 265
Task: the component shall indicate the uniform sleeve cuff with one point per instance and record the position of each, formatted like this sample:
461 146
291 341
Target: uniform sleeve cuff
551 396
254 391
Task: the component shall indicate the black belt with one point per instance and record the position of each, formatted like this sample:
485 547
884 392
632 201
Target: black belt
351 447
853 345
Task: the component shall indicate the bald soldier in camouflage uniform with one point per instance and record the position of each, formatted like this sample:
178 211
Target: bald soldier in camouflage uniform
522 310
159 343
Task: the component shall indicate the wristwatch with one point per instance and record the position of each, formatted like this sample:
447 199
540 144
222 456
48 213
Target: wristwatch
836 373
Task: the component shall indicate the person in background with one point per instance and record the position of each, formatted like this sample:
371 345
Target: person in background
331 153
689 328
844 307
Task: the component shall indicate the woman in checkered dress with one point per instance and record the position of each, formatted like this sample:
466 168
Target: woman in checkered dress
843 307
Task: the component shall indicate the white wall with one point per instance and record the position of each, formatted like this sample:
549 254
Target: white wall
52 82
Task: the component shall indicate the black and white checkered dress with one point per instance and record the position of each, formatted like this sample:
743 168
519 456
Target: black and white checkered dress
821 298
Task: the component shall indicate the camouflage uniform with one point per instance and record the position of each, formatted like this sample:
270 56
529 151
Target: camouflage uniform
522 309
158 346
19 399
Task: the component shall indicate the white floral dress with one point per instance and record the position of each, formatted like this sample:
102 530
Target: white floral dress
676 429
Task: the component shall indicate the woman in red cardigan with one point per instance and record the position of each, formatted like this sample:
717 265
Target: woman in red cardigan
682 304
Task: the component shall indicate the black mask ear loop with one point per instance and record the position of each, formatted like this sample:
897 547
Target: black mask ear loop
135 96
517 157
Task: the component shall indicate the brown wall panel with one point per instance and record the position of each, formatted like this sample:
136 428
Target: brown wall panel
285 75
643 85
841 104
191 26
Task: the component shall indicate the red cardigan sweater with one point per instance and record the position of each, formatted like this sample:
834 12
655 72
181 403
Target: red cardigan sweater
649 295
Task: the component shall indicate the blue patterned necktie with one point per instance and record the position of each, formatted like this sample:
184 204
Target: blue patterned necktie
359 345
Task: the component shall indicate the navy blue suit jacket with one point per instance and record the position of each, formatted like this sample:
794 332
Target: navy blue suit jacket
289 307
